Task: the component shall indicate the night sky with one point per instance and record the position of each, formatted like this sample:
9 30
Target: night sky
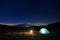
34 11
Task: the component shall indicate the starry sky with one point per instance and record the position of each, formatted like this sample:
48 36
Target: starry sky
34 11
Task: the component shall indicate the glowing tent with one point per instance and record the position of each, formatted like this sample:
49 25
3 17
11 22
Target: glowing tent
43 31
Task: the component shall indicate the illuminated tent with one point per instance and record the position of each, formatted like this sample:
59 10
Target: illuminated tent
43 31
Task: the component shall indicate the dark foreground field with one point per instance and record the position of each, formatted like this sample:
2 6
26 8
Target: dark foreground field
12 32
51 36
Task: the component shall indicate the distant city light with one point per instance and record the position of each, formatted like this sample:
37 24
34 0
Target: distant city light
44 31
27 26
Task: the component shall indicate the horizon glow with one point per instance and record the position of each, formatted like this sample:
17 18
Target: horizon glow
36 24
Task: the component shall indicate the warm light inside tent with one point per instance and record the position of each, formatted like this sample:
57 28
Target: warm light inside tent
44 31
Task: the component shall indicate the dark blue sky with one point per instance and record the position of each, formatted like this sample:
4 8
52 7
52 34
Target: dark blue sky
20 11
